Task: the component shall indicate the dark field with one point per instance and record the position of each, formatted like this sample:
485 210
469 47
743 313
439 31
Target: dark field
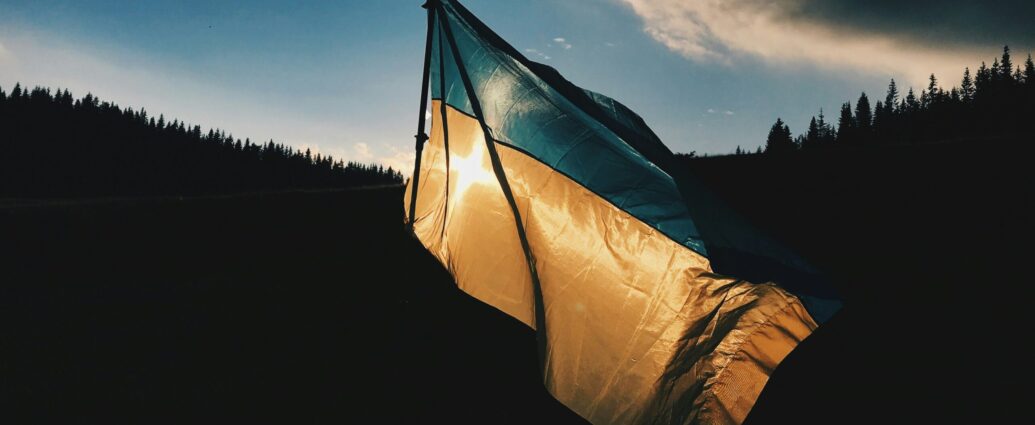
317 307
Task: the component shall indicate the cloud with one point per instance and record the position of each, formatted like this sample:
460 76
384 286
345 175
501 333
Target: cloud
943 22
388 155
5 55
728 113
711 111
609 44
789 33
362 152
562 42
337 153
537 53
399 159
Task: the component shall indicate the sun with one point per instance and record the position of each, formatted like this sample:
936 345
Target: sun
470 170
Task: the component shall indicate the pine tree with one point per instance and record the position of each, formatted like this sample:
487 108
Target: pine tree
845 124
892 98
880 119
932 92
1029 71
826 133
983 81
912 104
966 86
863 114
779 140
812 136
1005 65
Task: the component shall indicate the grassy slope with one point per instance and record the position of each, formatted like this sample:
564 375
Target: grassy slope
279 308
927 245
291 308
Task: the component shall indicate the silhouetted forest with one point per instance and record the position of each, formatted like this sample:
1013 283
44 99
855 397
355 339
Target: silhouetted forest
54 145
996 102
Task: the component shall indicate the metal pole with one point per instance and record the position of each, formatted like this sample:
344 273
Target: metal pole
422 136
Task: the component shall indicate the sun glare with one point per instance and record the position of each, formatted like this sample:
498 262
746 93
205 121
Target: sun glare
469 170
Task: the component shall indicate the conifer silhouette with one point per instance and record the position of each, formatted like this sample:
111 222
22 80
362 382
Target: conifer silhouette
55 145
995 101
780 140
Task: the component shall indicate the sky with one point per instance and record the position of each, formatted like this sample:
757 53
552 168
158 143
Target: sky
343 77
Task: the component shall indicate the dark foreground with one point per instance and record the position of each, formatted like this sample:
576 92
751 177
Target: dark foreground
317 307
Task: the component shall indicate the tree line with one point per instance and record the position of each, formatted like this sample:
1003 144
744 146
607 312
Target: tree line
997 101
54 145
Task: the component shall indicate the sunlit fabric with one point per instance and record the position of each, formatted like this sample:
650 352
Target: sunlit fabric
636 327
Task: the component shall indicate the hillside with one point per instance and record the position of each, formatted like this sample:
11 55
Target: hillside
56 146
196 310
152 273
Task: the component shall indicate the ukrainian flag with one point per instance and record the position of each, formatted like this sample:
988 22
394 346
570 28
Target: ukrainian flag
553 204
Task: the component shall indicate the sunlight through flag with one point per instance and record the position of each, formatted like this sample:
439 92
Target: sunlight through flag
559 206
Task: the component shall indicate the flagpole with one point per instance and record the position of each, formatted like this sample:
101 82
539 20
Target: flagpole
422 136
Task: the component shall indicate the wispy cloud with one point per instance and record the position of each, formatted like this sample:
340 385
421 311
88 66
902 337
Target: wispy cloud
363 152
399 159
562 43
388 155
723 31
537 53
5 55
337 152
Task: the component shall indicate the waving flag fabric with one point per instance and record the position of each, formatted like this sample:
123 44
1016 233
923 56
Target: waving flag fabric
553 204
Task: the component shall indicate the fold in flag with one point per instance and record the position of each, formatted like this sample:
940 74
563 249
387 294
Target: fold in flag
558 206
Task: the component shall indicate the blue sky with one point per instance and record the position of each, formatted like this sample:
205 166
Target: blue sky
342 77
